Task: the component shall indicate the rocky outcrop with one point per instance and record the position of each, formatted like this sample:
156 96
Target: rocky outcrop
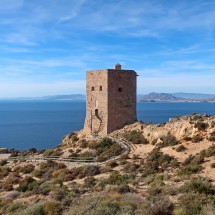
184 127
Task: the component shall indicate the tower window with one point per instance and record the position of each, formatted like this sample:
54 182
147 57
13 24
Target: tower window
100 88
96 112
120 89
92 88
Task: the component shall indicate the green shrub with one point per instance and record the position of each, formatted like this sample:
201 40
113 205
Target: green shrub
95 205
91 170
192 203
116 178
73 136
131 168
199 185
7 187
105 149
197 139
13 208
196 116
59 194
135 137
180 148
210 151
157 161
188 160
104 154
13 178
201 126
123 188
154 141
83 171
157 205
89 182
112 164
156 189
211 137
26 184
86 154
189 169
191 165
43 188
4 171
28 168
52 152
108 204
46 169
3 162
168 140
106 143
38 173
36 209
52 208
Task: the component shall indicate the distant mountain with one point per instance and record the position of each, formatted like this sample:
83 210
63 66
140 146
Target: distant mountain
201 96
71 97
177 97
160 97
151 97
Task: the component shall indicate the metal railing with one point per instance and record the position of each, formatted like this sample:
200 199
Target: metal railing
126 145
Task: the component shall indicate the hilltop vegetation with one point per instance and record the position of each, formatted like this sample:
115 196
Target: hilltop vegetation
168 169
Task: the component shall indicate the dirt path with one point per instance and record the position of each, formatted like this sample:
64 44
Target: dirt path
72 162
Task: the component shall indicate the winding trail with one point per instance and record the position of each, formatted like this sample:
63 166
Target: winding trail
74 161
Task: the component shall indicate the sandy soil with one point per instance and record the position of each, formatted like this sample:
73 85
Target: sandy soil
208 170
142 150
192 148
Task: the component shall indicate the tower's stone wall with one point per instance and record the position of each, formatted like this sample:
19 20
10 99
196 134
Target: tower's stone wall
96 100
121 98
111 100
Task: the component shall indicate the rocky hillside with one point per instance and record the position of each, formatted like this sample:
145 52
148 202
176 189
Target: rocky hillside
184 127
140 169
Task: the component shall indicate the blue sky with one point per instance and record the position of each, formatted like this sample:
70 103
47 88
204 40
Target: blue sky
46 46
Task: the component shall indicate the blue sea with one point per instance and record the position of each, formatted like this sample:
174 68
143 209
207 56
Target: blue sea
26 124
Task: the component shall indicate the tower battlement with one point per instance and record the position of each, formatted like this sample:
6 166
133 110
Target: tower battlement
111 100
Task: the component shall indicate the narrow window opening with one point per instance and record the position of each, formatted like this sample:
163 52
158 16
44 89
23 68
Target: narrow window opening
96 112
92 89
120 89
100 88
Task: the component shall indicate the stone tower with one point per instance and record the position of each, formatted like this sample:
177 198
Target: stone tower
111 100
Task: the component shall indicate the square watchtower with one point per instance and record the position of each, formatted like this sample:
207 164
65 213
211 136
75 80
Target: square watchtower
111 100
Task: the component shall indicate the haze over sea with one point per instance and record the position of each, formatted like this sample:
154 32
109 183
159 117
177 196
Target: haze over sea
42 124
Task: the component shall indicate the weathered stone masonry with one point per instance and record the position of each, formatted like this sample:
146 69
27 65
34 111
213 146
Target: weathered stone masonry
111 100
